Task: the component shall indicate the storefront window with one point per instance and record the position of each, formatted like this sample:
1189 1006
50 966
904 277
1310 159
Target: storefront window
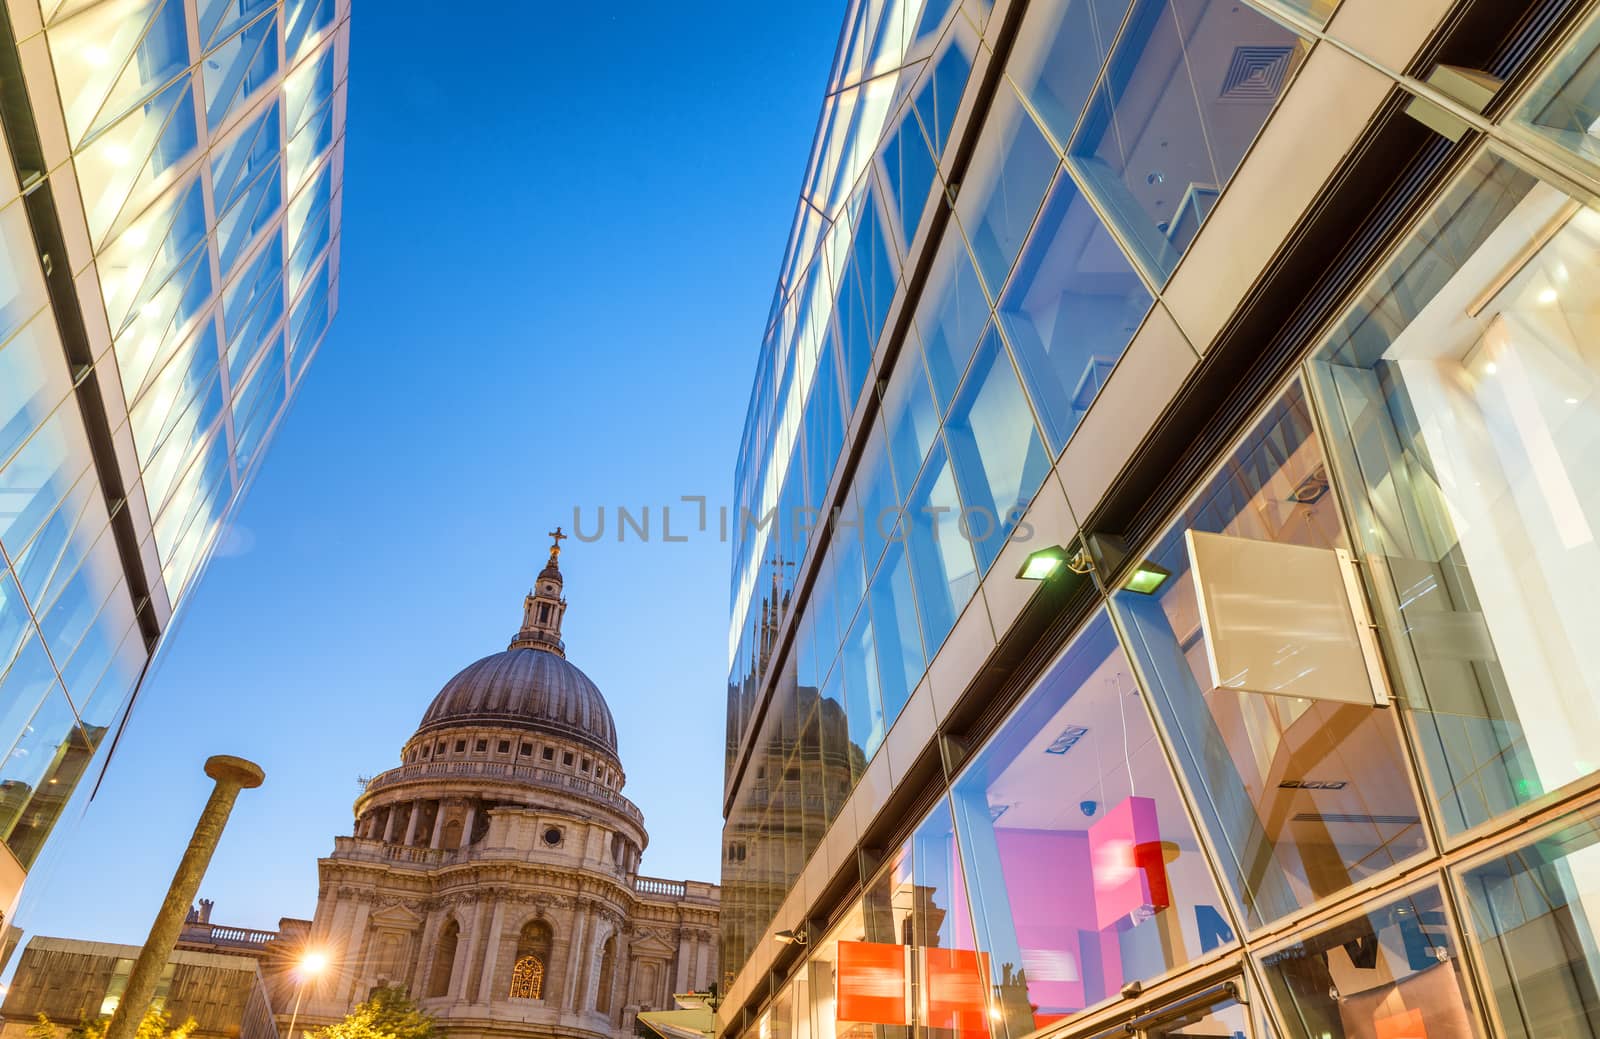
1301 797
1084 873
1394 972
1464 394
1531 920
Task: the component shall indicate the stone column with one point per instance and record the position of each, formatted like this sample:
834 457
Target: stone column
683 979
388 825
463 984
430 937
580 922
230 775
352 948
438 825
411 824
472 820
491 954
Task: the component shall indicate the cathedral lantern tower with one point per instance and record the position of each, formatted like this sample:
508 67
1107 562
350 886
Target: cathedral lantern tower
494 873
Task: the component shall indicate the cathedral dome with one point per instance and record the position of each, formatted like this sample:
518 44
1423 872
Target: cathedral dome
535 690
531 686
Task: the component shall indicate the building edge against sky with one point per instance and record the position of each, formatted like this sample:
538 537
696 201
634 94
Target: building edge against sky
1274 316
172 186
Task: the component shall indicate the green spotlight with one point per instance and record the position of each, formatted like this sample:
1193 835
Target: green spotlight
1147 578
1043 563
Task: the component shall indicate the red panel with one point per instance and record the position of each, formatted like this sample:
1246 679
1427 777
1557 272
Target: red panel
872 983
956 980
1130 873
1405 1025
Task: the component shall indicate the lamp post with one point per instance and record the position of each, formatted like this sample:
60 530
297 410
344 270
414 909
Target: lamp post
311 964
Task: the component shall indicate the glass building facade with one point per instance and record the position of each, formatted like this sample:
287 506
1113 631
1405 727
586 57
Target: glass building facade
1165 555
170 206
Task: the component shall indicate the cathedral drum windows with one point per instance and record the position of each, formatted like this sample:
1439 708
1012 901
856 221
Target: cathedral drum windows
533 951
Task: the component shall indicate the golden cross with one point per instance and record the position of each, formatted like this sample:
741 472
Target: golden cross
555 549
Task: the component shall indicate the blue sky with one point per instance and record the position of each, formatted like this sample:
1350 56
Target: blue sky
562 226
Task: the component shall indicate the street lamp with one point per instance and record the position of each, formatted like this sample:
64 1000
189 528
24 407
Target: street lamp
311 964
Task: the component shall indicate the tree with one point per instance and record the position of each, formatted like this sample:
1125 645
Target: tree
156 1024
387 1014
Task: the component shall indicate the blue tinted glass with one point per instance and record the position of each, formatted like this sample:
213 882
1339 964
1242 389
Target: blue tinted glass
1070 311
910 417
849 584
863 701
995 448
1189 85
1058 55
1003 188
894 622
218 17
940 96
875 493
824 609
234 166
235 70
950 316
944 577
854 338
909 169
181 136
304 18
822 426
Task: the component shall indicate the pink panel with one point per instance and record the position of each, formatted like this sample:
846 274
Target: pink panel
1130 873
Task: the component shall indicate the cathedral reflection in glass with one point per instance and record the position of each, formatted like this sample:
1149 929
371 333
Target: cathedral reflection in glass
170 209
1293 371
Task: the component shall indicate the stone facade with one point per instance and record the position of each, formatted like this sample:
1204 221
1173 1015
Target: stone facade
494 874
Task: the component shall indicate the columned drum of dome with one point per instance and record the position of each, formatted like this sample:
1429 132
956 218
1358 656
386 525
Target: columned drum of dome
495 872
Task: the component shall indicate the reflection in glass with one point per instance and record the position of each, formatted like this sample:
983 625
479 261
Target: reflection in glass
1189 85
950 316
1004 186
1393 973
1058 55
1070 310
1301 798
1565 107
1085 874
1464 390
894 619
941 558
995 447
952 996
1531 917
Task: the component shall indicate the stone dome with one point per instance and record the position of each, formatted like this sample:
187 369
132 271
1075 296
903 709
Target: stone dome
534 690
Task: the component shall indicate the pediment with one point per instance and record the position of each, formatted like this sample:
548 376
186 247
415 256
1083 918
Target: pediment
397 916
652 943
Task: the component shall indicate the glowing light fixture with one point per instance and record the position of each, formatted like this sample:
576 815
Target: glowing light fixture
1147 578
1043 564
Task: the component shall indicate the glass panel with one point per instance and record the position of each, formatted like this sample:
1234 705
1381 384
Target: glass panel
1301 798
35 378
1530 919
1058 55
995 447
911 418
39 775
951 315
1003 187
1394 972
941 556
1565 107
1071 310
940 96
1190 84
863 700
951 1000
909 173
22 292
1084 872
1470 427
114 56
238 68
894 619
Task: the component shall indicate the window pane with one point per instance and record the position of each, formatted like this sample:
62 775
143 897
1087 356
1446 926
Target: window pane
1565 107
950 316
953 1000
1058 55
1301 797
1003 187
1530 917
1071 310
1083 868
40 774
1395 971
911 418
941 556
1471 436
894 619
863 701
995 447
1188 87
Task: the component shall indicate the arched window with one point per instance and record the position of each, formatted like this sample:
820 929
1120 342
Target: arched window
608 967
533 952
444 959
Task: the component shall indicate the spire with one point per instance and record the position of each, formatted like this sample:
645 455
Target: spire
543 608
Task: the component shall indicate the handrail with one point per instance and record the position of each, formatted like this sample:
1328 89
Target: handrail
533 774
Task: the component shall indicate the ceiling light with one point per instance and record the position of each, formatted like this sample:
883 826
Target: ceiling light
1548 295
1491 367
1147 578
